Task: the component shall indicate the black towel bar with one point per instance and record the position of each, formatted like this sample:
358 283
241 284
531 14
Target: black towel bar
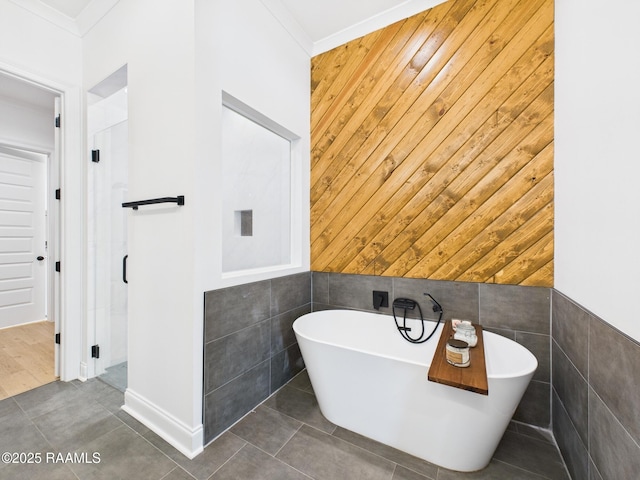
179 200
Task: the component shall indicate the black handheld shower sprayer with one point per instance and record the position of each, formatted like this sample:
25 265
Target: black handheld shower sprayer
407 304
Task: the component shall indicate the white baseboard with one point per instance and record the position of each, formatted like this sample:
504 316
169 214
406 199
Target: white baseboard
186 440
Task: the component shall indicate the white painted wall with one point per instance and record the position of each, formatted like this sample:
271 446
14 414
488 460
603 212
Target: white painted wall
37 50
26 125
243 50
35 45
180 56
156 41
597 164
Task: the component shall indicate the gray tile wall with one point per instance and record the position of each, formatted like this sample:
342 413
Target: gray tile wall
596 393
520 313
250 349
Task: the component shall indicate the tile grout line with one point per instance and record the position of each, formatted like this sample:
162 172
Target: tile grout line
522 469
615 418
570 420
178 467
229 459
288 440
274 455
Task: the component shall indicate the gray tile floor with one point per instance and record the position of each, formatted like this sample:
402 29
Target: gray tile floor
284 438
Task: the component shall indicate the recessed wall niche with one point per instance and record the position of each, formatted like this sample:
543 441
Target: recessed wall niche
244 223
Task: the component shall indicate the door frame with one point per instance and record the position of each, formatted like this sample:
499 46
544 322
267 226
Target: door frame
69 174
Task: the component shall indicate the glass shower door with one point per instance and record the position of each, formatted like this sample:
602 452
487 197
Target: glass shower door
108 248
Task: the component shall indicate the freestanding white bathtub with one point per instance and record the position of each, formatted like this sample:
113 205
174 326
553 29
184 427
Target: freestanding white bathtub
369 380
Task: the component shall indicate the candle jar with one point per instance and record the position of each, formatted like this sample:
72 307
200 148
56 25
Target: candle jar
458 353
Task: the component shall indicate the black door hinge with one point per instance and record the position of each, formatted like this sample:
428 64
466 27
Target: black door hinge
57 266
57 194
95 351
57 338
58 121
95 156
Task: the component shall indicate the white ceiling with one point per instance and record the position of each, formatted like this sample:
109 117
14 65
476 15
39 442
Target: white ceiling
70 8
318 26
75 16
328 19
322 25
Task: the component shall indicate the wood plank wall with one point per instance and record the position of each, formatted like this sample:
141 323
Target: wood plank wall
432 147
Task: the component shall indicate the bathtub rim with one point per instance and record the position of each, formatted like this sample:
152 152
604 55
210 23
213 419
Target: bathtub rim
525 371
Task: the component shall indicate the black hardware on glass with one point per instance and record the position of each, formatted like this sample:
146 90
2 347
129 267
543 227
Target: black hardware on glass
124 268
95 156
179 200
407 304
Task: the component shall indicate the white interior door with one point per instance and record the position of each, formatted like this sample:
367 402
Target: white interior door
23 247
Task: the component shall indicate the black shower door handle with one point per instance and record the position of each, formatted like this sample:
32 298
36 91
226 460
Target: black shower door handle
124 268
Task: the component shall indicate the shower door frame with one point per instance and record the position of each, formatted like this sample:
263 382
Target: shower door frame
99 332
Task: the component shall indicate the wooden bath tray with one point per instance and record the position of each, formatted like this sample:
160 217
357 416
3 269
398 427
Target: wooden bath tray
473 377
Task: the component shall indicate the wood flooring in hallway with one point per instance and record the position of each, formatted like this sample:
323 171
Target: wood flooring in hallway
26 357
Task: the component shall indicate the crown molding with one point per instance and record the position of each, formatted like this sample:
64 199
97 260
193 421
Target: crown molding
371 24
290 24
79 26
93 13
49 14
